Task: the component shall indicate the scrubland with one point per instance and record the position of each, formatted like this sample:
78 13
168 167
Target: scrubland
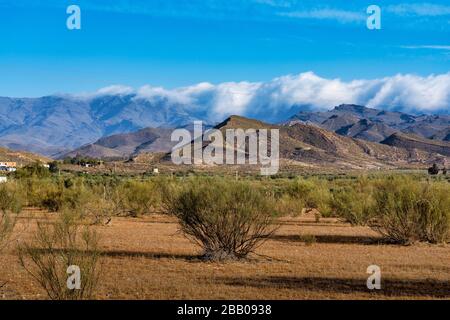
213 237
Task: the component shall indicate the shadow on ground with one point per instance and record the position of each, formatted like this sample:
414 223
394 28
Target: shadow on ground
136 254
339 239
390 287
150 255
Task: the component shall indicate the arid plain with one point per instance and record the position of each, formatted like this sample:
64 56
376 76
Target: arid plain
148 258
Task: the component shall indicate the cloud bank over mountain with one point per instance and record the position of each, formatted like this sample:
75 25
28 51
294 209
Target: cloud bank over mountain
59 123
276 99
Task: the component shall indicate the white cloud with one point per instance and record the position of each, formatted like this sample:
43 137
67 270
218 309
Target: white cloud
329 14
154 94
274 100
413 93
115 90
419 9
435 47
233 96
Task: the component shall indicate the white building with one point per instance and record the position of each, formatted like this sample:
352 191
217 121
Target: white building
3 179
7 169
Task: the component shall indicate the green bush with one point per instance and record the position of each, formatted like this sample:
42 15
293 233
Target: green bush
406 211
140 197
310 194
228 219
353 202
36 170
54 194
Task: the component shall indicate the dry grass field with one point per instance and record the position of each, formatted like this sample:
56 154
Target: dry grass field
147 258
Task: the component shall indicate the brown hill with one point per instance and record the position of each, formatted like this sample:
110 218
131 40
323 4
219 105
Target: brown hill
375 125
21 157
313 146
411 142
300 144
443 135
123 146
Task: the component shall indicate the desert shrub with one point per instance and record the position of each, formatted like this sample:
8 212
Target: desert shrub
40 192
406 210
139 197
311 194
36 170
54 248
55 194
100 207
353 202
286 205
10 205
54 167
308 239
228 219
433 170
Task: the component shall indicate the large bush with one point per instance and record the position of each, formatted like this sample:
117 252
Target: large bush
139 197
406 211
227 219
301 194
353 202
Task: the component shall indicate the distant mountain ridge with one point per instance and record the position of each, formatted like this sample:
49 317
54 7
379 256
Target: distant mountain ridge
57 125
299 144
375 125
411 142
308 144
126 145
53 125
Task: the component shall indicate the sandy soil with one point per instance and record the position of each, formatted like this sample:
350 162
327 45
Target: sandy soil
147 258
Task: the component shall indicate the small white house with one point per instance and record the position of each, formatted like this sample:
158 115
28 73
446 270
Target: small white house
3 179
8 166
155 170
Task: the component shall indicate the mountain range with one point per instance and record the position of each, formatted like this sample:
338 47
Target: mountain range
376 125
54 125
124 126
300 144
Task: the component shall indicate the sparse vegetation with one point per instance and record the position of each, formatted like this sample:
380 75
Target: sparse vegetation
386 203
406 211
139 197
55 248
434 169
353 203
227 219
10 206
312 193
82 161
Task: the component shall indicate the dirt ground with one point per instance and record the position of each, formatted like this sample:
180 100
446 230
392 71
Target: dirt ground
147 258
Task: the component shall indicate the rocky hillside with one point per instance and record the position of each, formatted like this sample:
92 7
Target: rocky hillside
310 145
54 125
410 142
20 157
376 125
124 146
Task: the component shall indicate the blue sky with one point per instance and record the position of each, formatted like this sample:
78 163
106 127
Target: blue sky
173 43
